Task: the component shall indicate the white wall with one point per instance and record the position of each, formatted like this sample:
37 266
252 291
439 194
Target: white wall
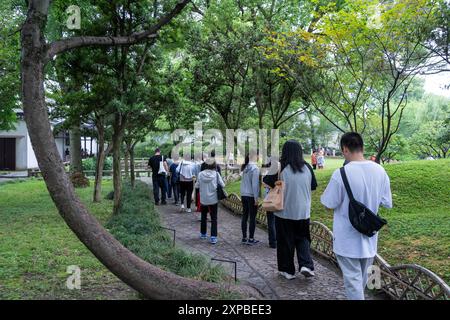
22 141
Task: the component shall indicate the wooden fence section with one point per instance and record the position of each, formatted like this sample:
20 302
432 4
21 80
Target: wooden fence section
402 282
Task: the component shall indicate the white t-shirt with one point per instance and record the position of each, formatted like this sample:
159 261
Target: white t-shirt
371 186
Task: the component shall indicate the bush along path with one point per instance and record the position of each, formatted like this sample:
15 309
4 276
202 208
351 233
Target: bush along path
256 265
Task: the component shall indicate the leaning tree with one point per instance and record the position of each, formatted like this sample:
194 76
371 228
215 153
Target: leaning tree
36 53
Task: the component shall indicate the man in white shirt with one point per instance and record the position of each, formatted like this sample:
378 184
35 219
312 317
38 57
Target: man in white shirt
371 186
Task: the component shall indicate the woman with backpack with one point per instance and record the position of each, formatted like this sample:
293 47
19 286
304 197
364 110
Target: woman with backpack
208 181
292 223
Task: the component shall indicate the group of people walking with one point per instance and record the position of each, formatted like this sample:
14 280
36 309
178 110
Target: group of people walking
289 228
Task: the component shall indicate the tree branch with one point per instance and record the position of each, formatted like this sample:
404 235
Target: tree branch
61 46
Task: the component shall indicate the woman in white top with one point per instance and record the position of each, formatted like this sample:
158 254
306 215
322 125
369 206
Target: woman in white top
185 169
208 181
292 223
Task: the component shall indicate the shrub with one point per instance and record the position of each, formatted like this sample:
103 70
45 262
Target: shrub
138 227
90 164
79 180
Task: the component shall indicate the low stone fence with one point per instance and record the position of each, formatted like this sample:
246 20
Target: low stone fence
401 282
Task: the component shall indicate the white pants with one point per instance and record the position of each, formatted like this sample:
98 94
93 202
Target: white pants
355 275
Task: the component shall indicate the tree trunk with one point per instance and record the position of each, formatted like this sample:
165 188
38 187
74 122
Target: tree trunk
132 173
126 161
101 156
75 149
149 280
117 174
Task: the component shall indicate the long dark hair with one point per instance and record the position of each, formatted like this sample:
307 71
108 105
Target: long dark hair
292 154
247 160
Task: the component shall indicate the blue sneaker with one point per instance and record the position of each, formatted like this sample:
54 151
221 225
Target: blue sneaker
213 240
203 236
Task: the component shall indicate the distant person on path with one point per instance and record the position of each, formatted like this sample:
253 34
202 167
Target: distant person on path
186 171
67 154
169 183
314 159
321 160
370 185
175 181
250 189
269 181
292 223
207 182
159 168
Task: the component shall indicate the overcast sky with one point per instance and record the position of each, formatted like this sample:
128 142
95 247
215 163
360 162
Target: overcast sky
434 83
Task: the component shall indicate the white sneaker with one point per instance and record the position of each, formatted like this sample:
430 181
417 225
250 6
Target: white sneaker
189 210
307 272
182 208
287 275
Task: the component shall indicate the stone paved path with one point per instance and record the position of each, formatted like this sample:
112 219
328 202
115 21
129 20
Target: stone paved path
256 264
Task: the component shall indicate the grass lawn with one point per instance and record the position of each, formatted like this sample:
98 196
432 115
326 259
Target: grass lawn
418 229
36 246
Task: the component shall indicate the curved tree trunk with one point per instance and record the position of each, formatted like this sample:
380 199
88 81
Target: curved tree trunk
147 279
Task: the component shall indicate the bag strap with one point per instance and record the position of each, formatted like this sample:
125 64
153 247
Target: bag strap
346 184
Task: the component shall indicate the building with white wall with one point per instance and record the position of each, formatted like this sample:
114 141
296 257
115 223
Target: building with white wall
16 151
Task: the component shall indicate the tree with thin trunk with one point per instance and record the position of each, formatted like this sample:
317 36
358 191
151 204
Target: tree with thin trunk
36 52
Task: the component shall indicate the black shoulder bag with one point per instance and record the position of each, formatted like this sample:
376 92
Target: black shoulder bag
361 217
221 194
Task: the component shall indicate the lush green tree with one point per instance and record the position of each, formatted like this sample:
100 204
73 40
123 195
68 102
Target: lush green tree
359 61
11 17
432 139
36 53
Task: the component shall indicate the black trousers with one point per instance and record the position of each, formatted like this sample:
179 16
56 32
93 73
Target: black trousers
159 182
212 209
271 228
176 190
249 212
293 235
186 188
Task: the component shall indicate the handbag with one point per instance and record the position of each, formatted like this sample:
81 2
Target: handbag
162 170
274 200
221 193
361 217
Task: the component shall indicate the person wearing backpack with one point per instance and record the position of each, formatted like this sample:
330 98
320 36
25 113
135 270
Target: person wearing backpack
159 168
370 186
293 221
208 181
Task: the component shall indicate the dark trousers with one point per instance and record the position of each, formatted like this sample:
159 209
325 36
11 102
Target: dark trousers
293 235
212 209
159 182
271 229
314 166
169 188
249 211
186 188
175 190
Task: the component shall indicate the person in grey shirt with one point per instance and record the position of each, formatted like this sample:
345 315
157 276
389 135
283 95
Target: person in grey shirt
292 223
250 188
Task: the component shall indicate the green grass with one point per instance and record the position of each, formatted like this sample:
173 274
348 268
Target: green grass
36 247
418 229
